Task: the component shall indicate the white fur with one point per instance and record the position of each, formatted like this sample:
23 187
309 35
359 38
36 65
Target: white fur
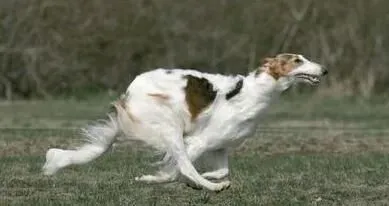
166 124
99 137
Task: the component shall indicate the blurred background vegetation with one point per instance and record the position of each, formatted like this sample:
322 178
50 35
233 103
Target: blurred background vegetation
61 47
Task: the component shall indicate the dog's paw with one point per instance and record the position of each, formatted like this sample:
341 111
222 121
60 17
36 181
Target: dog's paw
55 160
218 187
194 186
146 178
222 186
155 178
216 175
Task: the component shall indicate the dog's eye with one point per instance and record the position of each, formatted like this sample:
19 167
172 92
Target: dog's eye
298 61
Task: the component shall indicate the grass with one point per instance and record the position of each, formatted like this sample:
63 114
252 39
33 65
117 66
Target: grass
324 151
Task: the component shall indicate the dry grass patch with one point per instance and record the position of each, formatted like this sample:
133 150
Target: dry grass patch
317 142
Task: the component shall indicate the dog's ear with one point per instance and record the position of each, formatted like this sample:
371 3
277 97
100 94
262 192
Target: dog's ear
267 61
266 64
273 66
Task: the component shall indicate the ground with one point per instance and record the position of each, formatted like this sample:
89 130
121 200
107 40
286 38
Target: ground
309 151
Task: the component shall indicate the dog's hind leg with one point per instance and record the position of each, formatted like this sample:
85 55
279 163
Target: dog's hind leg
218 161
167 173
160 177
99 136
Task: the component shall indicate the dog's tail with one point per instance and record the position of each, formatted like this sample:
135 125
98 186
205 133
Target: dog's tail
99 137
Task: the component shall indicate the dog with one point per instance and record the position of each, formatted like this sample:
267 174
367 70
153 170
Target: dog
189 116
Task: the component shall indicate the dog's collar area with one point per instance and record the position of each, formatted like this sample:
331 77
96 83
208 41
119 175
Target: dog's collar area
235 90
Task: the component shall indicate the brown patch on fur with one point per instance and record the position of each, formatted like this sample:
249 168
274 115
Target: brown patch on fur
281 65
159 96
199 94
122 104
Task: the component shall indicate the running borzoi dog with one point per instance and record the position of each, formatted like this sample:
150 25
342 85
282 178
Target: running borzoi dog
189 115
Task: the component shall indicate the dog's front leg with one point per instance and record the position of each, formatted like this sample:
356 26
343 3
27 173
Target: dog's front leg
183 156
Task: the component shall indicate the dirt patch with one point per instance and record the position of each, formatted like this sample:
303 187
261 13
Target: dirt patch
316 143
314 123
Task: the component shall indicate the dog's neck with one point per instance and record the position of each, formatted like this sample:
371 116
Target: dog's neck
258 92
264 86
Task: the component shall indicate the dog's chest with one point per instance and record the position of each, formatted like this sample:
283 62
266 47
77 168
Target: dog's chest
228 127
237 132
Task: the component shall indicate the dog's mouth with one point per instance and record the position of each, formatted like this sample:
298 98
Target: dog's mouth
309 78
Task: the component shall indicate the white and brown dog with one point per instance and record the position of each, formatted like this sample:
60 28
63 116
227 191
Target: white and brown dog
189 116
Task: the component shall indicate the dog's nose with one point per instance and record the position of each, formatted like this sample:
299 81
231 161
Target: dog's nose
325 71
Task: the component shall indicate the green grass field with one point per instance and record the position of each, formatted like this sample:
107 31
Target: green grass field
315 151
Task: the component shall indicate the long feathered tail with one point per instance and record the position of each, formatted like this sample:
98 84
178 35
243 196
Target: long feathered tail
100 137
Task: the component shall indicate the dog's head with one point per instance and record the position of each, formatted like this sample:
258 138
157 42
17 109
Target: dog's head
294 67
